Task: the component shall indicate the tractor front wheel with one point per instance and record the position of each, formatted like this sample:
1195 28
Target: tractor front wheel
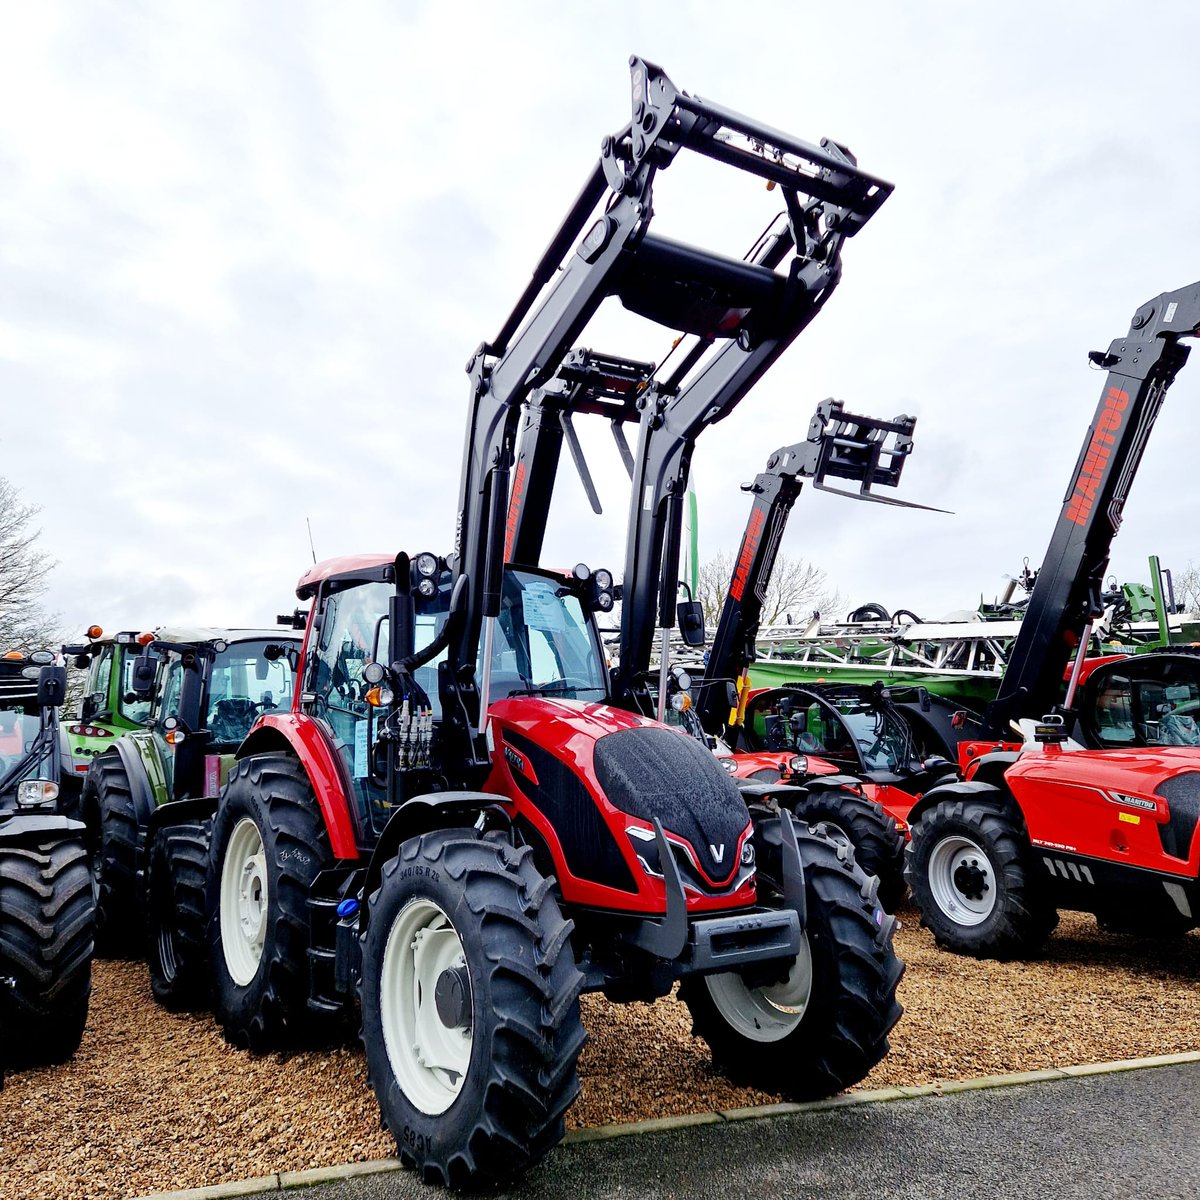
972 876
176 926
47 922
825 1025
268 844
470 1008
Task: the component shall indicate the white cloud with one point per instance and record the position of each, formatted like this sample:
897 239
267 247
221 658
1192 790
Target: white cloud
246 251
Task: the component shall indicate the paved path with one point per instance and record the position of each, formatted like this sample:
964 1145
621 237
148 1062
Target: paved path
1126 1134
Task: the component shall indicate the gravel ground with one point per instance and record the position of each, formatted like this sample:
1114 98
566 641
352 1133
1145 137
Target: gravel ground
155 1101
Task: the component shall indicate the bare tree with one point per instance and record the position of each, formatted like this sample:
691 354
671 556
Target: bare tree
1186 584
795 590
24 622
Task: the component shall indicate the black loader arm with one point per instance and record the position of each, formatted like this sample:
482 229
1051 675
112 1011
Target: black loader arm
1141 367
603 248
840 445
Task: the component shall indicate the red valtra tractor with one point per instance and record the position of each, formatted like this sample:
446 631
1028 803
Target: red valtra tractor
456 825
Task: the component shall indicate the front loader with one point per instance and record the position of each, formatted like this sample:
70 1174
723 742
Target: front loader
46 903
455 823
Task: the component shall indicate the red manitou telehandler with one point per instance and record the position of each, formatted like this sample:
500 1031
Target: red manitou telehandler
1042 821
457 824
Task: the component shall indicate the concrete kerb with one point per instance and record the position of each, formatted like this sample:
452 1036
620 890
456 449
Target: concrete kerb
289 1180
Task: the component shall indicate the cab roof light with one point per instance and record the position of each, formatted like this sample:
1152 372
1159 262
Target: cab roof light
94 632
144 639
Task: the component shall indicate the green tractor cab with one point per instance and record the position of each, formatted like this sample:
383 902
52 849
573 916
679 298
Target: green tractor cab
202 689
46 901
110 707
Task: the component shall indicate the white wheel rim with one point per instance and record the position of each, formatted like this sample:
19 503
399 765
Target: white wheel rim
245 898
428 1058
766 1014
962 880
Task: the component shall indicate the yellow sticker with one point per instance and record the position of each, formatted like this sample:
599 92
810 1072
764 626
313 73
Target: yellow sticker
1131 818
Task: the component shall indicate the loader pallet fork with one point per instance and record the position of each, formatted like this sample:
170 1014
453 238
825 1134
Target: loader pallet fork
840 445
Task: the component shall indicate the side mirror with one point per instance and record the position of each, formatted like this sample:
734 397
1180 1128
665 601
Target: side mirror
690 616
731 694
52 687
145 667
89 706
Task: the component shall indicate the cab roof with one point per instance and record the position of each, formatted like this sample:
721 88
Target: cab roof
365 566
203 633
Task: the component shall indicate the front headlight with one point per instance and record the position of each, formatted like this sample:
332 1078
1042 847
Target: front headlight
798 764
36 793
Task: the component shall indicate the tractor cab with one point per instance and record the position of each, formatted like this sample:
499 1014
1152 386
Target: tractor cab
111 705
209 686
378 689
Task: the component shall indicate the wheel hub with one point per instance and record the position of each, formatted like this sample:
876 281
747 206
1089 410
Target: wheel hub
962 880
252 891
971 879
453 997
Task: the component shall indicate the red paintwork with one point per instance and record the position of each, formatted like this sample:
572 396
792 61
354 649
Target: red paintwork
969 754
1090 664
569 729
896 802
325 771
749 763
346 564
1063 795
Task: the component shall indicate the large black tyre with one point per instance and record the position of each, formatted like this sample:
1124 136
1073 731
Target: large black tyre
47 921
874 835
115 837
827 1025
176 925
973 876
475 1070
268 844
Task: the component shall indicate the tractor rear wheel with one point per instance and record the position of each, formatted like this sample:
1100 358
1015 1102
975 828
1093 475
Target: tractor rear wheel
115 838
972 875
177 946
826 1025
874 835
470 1007
268 844
47 922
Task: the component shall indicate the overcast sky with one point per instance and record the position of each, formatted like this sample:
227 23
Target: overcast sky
246 249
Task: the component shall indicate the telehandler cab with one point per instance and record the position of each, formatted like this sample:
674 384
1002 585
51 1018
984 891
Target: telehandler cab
456 823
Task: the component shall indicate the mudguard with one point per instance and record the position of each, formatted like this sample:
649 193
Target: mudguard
962 790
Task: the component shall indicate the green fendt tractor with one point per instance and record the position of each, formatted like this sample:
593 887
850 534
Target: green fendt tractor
110 707
46 903
204 688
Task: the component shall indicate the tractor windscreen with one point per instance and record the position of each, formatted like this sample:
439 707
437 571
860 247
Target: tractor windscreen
544 643
245 681
883 739
1151 700
19 725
